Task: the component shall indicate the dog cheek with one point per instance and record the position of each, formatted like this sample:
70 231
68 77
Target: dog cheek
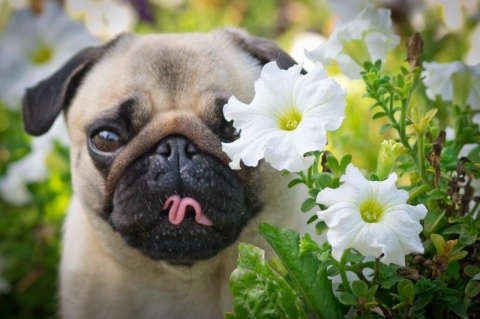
88 184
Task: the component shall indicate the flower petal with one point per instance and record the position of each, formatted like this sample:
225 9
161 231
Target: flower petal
288 117
394 234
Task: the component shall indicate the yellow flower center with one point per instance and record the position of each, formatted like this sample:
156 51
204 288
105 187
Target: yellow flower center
357 50
371 211
42 54
289 120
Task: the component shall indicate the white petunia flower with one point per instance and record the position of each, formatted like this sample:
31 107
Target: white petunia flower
372 218
104 18
454 82
288 117
366 38
33 47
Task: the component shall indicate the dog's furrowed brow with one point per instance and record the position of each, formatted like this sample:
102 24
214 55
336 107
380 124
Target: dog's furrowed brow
129 116
125 113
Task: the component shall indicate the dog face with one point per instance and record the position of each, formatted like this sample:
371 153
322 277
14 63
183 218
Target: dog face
145 118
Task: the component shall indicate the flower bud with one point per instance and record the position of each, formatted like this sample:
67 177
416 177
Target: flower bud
414 50
387 156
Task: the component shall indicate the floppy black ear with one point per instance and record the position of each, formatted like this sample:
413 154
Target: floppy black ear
264 50
42 103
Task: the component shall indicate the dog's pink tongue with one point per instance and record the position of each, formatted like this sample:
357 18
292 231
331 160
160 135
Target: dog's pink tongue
178 207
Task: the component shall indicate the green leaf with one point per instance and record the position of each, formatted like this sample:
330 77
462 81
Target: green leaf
347 159
406 289
359 288
385 127
371 292
308 204
400 305
468 238
324 180
448 158
230 315
320 228
437 194
310 282
379 115
471 270
258 291
348 299
312 219
313 192
439 243
332 271
354 258
473 288
432 220
334 165
459 309
457 255
454 229
294 182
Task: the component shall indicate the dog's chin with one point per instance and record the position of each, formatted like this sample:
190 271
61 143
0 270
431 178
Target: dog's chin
140 209
180 244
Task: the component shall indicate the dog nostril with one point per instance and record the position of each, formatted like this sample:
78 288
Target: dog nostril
190 150
176 148
164 149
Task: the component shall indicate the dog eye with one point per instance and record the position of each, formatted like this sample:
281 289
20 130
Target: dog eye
106 141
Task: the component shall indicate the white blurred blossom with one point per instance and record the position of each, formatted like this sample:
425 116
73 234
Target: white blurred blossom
454 82
305 41
453 11
31 168
104 18
33 47
372 218
288 117
368 37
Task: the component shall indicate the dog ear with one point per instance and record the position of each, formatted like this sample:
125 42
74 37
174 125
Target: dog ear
42 103
264 50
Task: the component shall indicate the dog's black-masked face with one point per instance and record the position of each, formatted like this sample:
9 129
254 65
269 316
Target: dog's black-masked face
140 211
146 125
174 202
170 191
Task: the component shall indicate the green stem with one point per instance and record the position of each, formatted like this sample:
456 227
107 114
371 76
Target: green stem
402 128
419 190
377 269
421 156
390 112
342 269
304 178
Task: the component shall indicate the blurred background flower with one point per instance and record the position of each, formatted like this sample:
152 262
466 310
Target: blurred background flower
366 38
36 36
105 19
34 45
455 82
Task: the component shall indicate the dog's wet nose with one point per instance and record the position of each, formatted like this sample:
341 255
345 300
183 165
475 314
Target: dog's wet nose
177 149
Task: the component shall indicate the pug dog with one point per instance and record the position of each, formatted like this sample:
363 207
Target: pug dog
156 215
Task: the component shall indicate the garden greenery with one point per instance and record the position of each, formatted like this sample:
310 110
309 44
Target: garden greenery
411 252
